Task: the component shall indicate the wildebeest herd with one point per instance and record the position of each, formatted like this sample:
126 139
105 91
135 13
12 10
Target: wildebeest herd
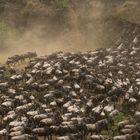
20 58
91 95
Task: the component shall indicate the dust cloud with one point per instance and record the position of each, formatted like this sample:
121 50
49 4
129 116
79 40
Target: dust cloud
85 31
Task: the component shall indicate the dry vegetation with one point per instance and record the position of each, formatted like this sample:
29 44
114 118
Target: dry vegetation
48 26
129 11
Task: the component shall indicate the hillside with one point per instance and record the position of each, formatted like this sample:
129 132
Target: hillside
129 11
67 25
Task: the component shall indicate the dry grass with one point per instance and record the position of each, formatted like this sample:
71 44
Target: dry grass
129 11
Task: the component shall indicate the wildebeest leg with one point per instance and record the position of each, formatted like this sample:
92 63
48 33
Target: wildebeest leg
51 137
29 59
48 137
14 64
44 137
86 134
6 137
83 136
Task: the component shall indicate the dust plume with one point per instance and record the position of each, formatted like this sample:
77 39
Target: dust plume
81 29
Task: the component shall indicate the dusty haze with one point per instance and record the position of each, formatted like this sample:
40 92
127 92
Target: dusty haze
86 31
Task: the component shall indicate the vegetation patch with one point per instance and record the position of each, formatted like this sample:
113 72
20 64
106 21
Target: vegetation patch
113 129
